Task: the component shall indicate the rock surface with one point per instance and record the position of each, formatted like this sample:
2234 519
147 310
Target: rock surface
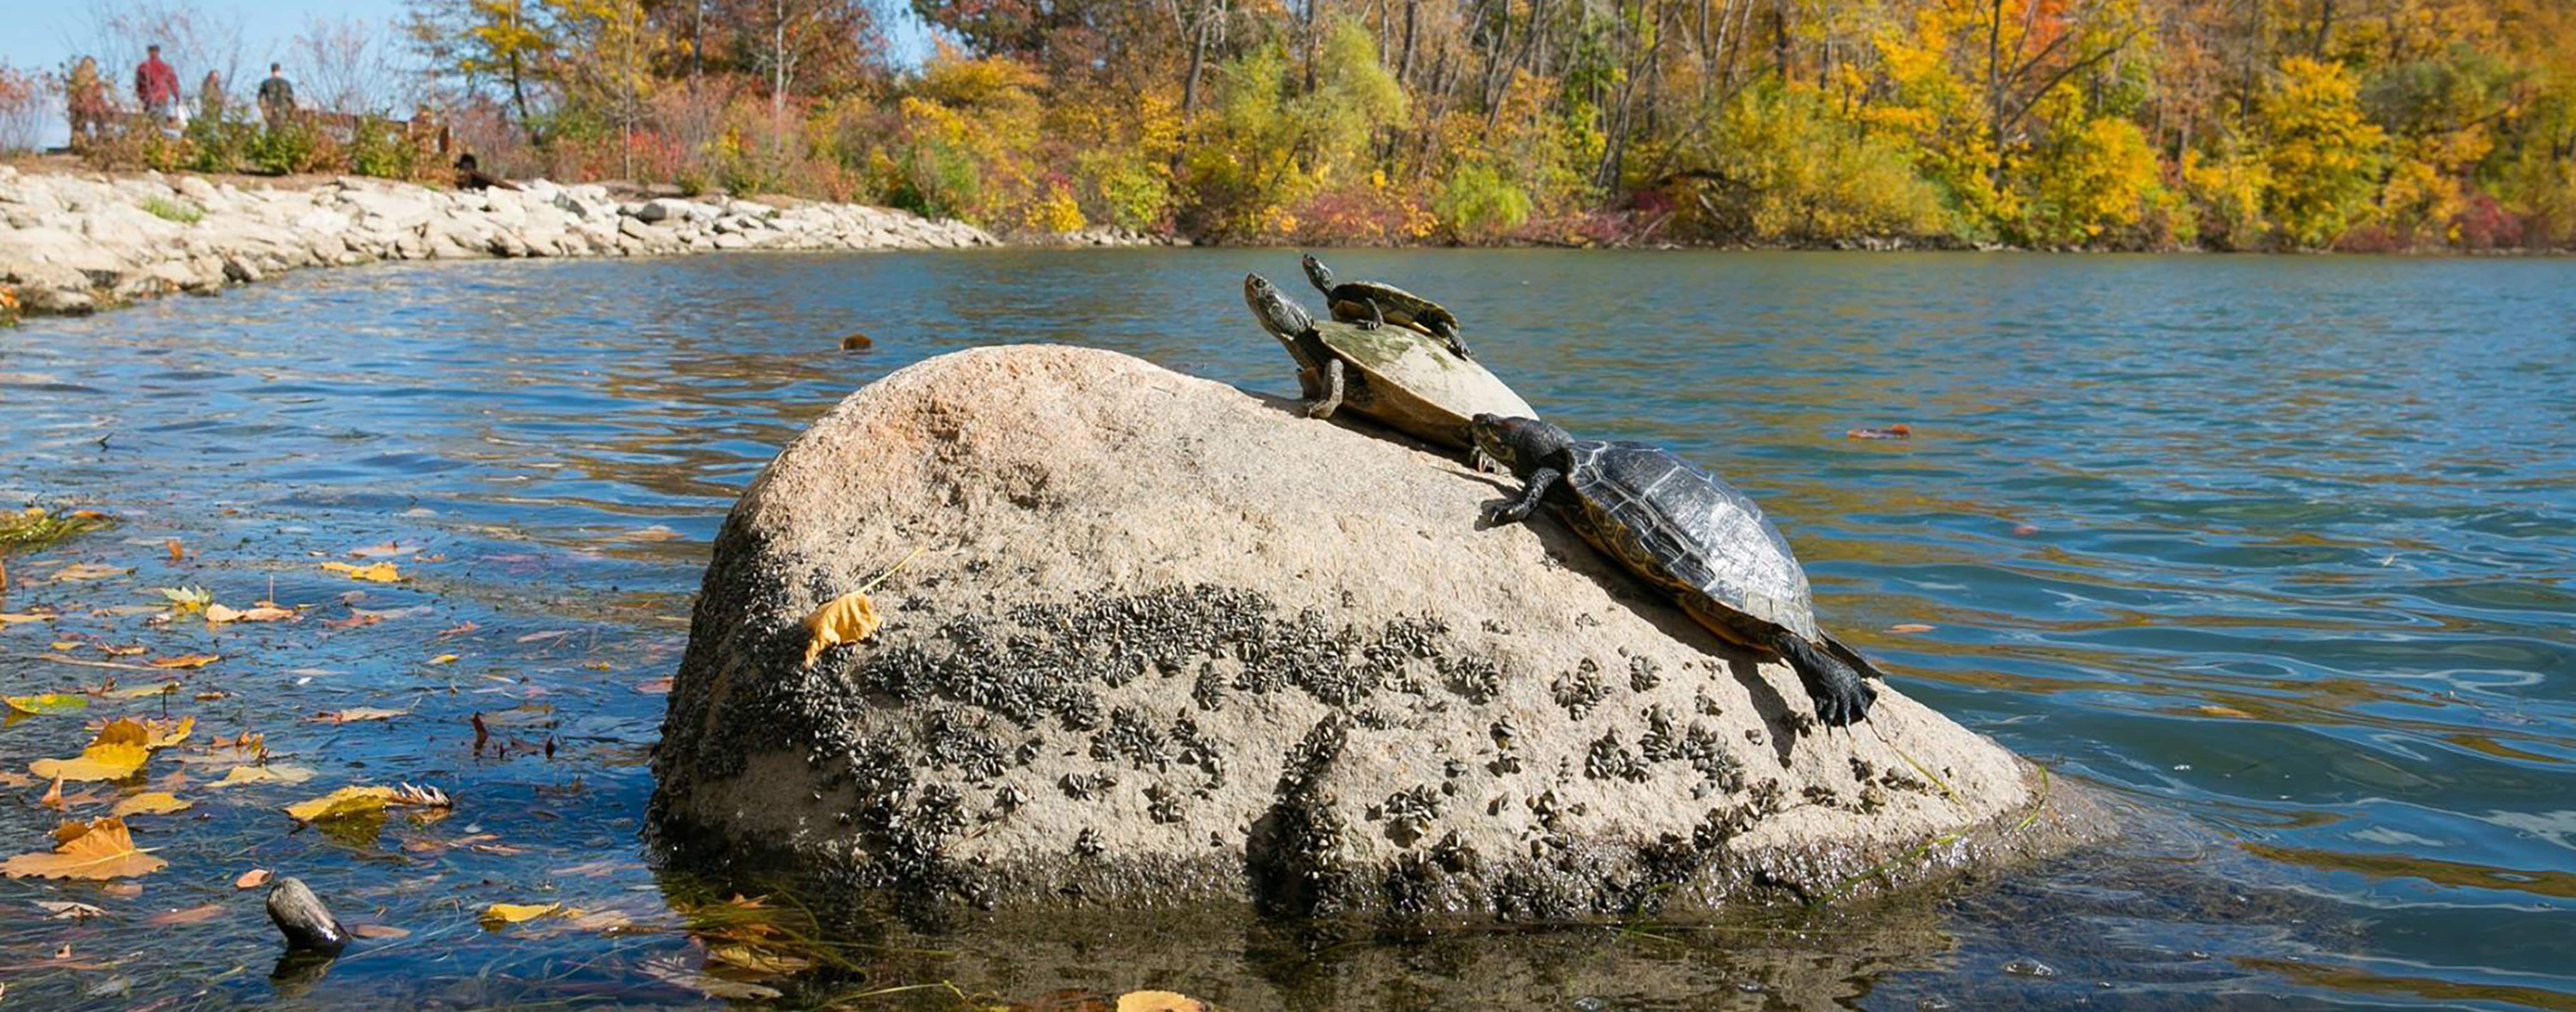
1165 641
72 244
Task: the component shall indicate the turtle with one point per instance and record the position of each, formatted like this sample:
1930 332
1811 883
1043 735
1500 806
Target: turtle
1374 304
1391 374
1690 534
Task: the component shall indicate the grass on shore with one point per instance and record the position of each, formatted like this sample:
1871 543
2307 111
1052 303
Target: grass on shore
173 210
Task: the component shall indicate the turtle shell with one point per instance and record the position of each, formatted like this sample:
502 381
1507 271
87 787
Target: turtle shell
1682 528
1413 384
1400 308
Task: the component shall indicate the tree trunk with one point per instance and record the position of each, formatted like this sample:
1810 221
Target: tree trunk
1198 58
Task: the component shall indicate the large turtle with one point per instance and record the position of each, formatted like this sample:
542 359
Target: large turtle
1689 533
1373 304
1393 375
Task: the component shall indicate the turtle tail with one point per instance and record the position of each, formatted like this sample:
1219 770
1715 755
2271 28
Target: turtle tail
1842 698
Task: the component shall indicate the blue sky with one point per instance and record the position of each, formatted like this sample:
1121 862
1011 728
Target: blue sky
45 34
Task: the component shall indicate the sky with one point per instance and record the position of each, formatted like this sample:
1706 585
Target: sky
47 34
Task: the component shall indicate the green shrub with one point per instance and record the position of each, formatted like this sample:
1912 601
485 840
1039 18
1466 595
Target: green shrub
377 148
290 147
167 209
1784 165
1478 203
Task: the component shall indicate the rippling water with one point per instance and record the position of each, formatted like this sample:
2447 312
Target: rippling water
2280 549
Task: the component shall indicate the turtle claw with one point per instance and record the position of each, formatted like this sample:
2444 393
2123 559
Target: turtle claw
1844 704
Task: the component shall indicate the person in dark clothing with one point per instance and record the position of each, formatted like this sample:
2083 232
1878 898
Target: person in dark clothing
470 176
276 97
156 85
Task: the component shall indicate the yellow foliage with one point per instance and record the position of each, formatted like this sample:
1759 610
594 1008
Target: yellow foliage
849 618
99 849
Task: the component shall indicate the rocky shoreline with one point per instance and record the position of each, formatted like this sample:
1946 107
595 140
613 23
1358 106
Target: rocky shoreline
79 243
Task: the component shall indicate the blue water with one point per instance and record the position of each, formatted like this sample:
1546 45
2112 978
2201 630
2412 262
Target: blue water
2277 551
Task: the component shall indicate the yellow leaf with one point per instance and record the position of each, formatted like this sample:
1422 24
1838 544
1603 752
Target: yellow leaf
217 614
152 803
357 713
278 774
139 692
443 659
1909 627
850 618
187 661
160 734
89 571
113 755
381 572
2225 711
101 850
7 619
51 702
342 803
62 645
499 914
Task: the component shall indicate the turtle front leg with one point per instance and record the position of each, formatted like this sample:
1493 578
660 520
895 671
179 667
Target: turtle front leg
1323 407
1449 334
1519 509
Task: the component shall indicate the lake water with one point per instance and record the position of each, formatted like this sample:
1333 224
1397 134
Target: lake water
2279 551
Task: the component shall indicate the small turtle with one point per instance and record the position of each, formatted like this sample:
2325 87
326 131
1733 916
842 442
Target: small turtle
1689 533
1373 304
1391 374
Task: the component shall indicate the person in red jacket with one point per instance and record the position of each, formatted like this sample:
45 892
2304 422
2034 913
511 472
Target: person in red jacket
156 85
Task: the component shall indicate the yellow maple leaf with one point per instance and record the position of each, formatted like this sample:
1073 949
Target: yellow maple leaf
160 734
274 774
849 618
102 849
51 702
90 571
500 914
152 803
217 614
119 749
381 572
342 803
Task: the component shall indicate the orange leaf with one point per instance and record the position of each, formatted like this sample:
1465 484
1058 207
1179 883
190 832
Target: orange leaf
104 851
188 661
849 618
192 915
252 879
381 572
377 931
1909 627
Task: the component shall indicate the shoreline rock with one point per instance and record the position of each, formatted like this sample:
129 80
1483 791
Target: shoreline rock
1166 642
75 244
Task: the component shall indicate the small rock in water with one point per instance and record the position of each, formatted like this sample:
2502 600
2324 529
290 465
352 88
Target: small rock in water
1899 430
1932 1003
301 917
855 341
2028 967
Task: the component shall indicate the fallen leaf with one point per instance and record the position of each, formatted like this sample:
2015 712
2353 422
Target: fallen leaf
443 659
66 910
90 571
1159 1001
675 971
1909 627
849 618
104 851
602 920
654 686
160 734
1899 430
756 960
151 803
185 661
2225 711
381 572
117 651
385 550
192 915
51 702
7 619
2026 530
177 554
53 796
217 614
252 879
357 713
141 691
119 749
377 931
277 774
500 914
348 801
61 646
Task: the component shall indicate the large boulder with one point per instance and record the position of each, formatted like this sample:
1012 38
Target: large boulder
1165 641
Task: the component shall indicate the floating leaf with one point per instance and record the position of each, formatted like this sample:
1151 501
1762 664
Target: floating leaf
849 618
90 571
252 879
151 803
675 971
278 774
1899 430
1909 627
185 661
217 614
443 659
102 850
500 914
758 961
2225 711
119 749
192 915
348 801
388 549
51 702
160 734
7 619
357 713
177 554
381 572
66 910
377 931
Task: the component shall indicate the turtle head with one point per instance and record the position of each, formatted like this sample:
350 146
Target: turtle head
1316 272
1284 320
1519 444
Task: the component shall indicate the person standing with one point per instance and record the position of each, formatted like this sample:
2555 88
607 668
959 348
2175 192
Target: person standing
276 97
156 85
87 96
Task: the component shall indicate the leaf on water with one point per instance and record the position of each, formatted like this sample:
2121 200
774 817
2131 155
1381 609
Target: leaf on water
357 713
217 614
140 691
51 702
119 749
381 572
348 801
103 850
185 661
1159 1001
443 659
53 796
2225 711
66 910
675 971
850 618
151 803
602 920
90 571
113 650
252 879
277 774
7 619
177 553
654 686
387 550
192 915
377 931
188 598
161 734
1909 627
500 914
758 961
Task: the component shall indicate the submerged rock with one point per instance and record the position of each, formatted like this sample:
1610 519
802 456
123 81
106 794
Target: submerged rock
1165 641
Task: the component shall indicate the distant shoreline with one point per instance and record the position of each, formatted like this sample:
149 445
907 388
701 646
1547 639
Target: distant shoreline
80 242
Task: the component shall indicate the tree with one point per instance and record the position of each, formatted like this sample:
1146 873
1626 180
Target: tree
2325 155
476 41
